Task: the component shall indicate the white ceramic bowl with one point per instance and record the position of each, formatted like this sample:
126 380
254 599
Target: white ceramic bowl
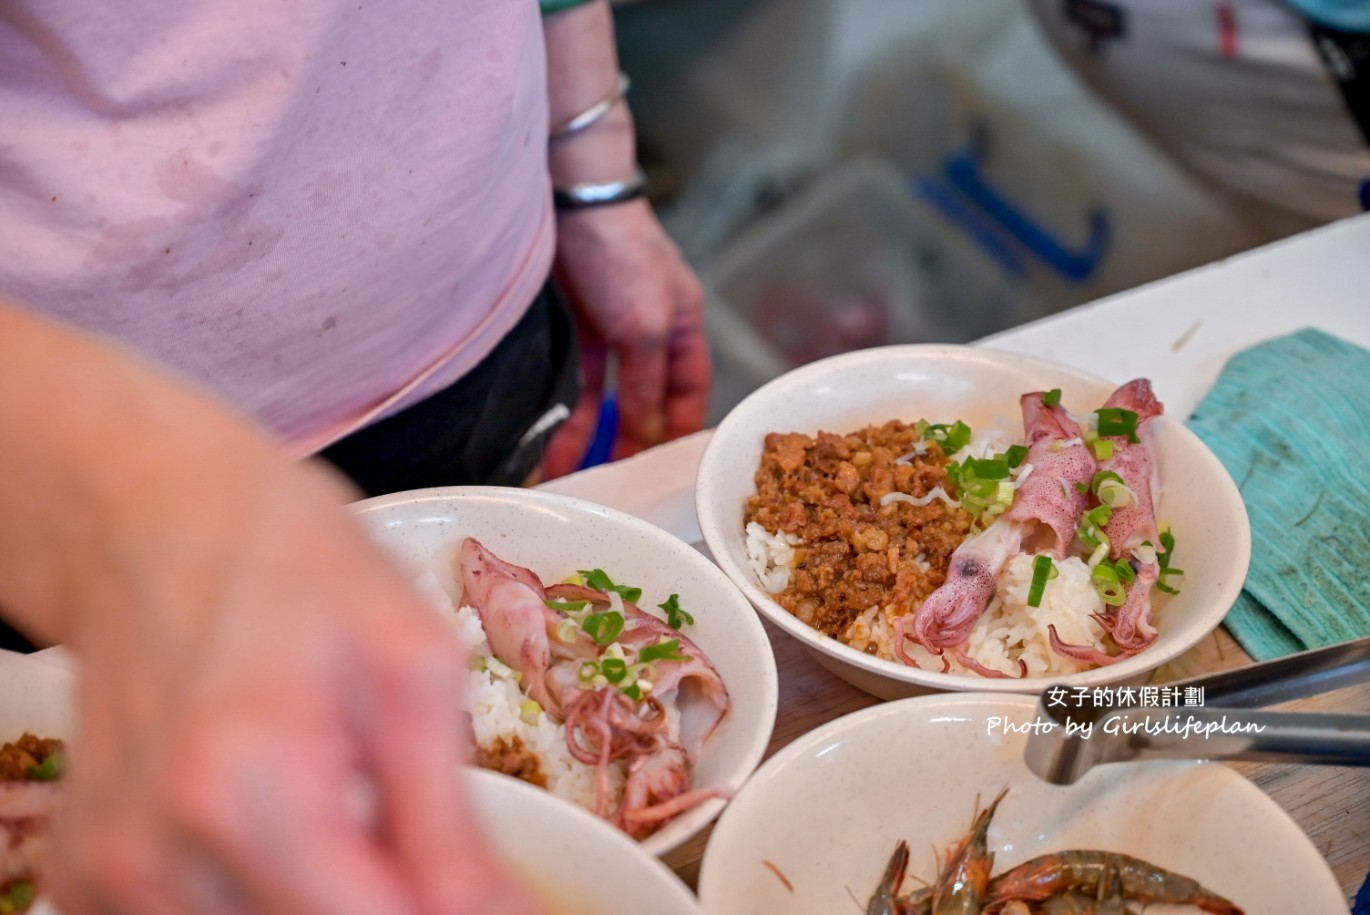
575 861
827 811
982 387
556 535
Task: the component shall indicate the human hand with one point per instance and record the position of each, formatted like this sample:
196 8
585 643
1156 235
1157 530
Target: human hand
273 727
637 301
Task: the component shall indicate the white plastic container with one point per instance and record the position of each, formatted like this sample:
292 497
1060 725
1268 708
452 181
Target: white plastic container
852 262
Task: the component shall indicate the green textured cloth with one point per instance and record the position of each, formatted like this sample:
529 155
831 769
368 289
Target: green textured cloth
1290 420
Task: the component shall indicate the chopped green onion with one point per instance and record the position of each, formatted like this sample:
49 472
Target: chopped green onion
1042 570
632 690
675 616
529 711
952 437
1163 559
18 896
1117 421
600 581
1099 553
1051 398
50 769
1107 582
603 627
665 650
566 631
1099 515
614 669
567 606
1103 449
587 671
1015 454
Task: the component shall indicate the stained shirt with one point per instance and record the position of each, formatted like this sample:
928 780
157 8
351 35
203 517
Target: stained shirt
321 210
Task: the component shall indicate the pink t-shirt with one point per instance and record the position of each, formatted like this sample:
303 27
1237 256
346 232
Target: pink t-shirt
322 210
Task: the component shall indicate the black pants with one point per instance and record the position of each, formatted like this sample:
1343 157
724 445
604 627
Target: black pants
490 427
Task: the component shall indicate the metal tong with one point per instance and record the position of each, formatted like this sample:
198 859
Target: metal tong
1223 727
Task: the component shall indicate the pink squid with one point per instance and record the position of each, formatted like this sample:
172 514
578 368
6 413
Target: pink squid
519 625
1129 527
1048 501
603 724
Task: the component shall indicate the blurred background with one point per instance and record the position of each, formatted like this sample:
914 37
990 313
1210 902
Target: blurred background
851 173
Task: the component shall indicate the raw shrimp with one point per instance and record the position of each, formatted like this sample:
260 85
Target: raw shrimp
882 901
961 888
1103 876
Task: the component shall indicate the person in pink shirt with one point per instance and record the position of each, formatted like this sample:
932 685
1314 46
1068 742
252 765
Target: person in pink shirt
235 236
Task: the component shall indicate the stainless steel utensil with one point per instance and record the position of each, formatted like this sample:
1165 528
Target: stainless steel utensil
1225 726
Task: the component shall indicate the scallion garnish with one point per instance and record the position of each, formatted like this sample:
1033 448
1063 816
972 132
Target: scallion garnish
50 769
603 627
1015 454
1163 557
951 437
665 650
1051 398
1103 449
600 581
675 616
1043 569
1112 590
18 896
1117 421
567 606
614 669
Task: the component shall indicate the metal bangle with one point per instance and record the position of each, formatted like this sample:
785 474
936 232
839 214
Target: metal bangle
599 193
587 118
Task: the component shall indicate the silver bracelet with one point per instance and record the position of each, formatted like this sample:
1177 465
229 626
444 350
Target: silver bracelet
587 118
599 193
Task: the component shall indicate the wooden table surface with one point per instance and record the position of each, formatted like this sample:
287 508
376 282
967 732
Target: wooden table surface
1331 804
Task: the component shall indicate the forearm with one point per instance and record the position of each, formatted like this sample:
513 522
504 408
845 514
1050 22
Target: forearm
109 467
582 69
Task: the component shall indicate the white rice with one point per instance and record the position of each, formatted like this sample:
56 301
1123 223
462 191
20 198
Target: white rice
771 557
496 702
1007 631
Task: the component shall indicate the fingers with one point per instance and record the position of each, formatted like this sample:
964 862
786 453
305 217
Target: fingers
665 382
412 733
569 443
690 379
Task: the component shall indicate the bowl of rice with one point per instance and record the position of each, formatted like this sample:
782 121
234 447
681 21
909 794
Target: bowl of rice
557 538
864 528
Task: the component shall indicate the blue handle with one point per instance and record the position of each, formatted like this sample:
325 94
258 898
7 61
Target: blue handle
963 171
606 430
981 229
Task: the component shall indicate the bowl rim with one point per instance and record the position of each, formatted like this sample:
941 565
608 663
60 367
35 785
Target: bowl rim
491 788
715 528
753 737
808 743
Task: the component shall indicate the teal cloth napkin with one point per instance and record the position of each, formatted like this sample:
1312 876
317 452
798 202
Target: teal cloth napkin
1290 420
